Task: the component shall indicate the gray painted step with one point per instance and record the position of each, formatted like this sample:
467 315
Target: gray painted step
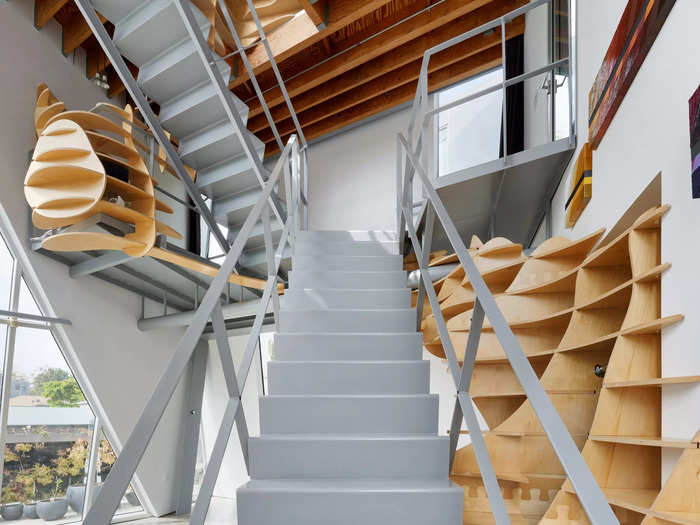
344 347
338 299
346 248
350 502
344 457
350 414
234 210
134 34
347 321
347 235
348 377
116 11
231 175
195 109
178 70
215 143
340 279
348 263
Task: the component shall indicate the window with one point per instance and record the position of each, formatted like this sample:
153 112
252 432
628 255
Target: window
52 440
469 134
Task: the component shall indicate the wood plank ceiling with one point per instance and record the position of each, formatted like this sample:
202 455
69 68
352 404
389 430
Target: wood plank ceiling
363 59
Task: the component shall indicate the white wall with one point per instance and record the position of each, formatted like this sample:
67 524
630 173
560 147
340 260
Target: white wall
649 134
117 365
352 184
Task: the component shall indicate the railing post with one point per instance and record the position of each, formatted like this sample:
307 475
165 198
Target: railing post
271 269
505 98
427 243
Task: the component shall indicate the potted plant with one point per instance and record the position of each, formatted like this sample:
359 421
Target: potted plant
53 508
37 475
70 465
12 496
107 459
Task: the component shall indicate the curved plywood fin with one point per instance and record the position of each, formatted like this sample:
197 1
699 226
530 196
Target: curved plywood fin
83 241
167 230
66 180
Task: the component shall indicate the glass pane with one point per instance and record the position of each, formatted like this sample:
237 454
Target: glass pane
27 304
129 502
470 133
49 431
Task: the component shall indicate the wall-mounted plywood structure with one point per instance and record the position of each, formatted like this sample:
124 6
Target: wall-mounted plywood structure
69 181
575 314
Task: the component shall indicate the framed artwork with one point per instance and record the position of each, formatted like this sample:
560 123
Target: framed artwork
694 106
640 24
581 189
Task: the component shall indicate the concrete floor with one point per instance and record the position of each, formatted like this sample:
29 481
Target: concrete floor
221 511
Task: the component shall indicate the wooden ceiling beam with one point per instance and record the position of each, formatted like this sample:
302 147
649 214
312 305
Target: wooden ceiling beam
44 10
116 86
445 77
76 32
408 73
97 61
316 12
382 66
399 35
340 14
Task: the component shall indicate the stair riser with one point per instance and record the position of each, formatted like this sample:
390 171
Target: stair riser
347 236
346 248
348 347
348 414
352 280
351 507
154 29
347 263
347 321
318 378
115 11
338 299
311 458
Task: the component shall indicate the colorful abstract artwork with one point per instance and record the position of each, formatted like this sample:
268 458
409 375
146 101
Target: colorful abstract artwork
694 106
640 24
581 189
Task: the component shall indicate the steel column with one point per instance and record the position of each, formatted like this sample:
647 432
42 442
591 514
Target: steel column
115 58
189 439
102 262
10 337
93 459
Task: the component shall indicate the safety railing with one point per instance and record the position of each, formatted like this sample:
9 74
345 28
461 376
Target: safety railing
413 158
422 119
106 502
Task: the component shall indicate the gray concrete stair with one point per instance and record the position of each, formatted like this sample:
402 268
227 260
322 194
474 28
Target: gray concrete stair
345 347
379 501
303 278
347 321
317 247
348 457
348 377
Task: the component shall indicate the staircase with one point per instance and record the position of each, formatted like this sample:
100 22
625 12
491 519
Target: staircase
152 35
349 429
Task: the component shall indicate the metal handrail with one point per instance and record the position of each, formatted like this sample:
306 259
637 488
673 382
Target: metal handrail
107 501
591 496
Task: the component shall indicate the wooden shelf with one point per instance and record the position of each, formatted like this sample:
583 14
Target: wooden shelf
637 500
645 441
503 249
128 192
564 283
504 359
579 247
617 297
521 393
604 342
682 518
652 327
501 273
554 319
653 382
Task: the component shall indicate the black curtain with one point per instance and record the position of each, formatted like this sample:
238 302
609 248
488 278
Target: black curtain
515 98
194 232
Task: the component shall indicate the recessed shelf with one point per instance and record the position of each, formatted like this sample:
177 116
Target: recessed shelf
654 382
566 282
652 327
637 500
579 247
645 441
521 393
504 359
618 296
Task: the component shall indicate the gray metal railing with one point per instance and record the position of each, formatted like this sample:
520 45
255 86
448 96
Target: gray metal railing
107 501
414 158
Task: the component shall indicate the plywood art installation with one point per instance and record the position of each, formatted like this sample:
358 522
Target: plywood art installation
581 189
85 164
694 107
589 322
640 24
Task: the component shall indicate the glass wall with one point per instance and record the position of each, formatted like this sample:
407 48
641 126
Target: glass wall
469 134
49 440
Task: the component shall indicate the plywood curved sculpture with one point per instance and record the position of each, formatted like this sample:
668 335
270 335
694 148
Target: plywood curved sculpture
575 316
68 181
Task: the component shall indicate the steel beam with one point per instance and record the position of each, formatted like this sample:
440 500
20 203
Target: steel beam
589 493
99 263
115 58
186 459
